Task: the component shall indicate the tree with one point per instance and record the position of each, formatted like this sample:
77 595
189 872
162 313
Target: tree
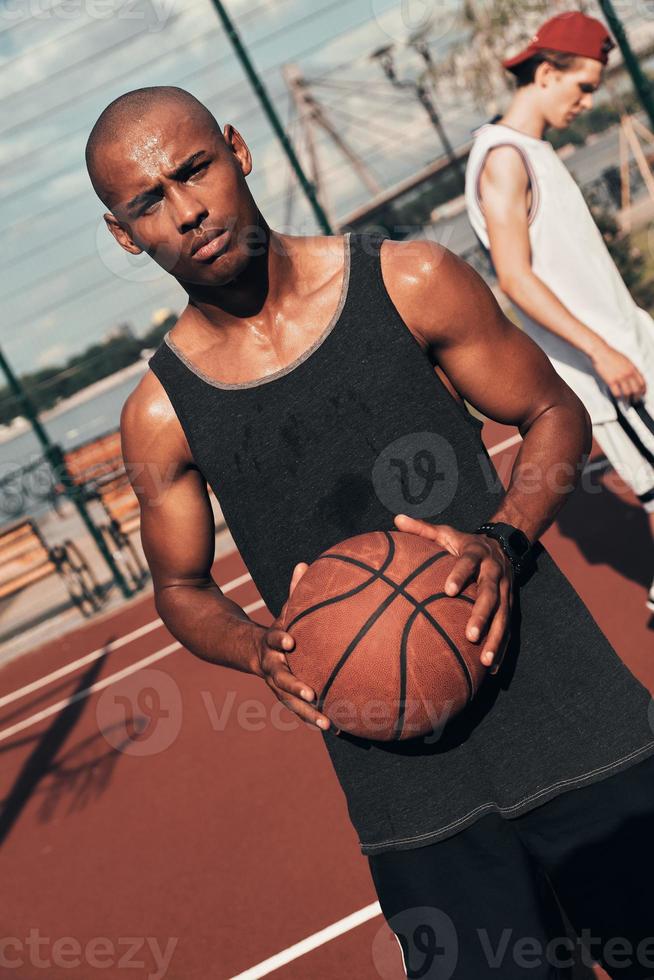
491 29
629 260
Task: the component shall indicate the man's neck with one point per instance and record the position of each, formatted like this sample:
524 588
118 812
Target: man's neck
288 273
523 116
266 278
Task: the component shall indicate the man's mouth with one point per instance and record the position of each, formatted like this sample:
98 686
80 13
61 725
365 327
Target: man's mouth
211 244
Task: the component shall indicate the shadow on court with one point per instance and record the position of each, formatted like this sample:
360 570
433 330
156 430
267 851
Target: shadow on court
626 547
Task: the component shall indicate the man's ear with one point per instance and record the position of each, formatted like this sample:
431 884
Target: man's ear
238 147
544 74
121 234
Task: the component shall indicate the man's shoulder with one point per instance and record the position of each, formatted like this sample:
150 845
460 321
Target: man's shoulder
148 418
148 397
417 264
425 281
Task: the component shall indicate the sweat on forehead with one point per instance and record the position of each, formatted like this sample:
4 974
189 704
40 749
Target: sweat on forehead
130 127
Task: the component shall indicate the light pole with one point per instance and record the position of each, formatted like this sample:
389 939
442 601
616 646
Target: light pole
273 118
641 82
55 457
385 57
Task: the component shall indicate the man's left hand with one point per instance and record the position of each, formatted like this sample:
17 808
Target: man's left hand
481 560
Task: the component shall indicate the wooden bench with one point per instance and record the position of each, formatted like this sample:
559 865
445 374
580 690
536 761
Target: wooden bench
121 506
25 559
98 466
95 459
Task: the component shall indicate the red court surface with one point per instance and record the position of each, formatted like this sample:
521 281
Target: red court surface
163 817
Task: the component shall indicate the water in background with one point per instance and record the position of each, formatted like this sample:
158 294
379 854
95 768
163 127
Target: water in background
74 425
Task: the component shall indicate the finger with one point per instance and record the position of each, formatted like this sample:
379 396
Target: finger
464 571
279 639
486 603
496 639
500 630
298 572
635 385
304 711
286 681
442 534
639 383
499 659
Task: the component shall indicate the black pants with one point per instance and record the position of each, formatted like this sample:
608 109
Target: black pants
482 903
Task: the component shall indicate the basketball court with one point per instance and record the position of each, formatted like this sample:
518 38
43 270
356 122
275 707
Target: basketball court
169 817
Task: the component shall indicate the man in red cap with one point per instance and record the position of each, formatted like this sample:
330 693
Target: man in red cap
548 253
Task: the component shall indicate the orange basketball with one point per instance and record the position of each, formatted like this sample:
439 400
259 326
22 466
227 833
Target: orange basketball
379 641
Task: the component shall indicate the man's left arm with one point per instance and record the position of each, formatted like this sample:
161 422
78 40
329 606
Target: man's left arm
500 371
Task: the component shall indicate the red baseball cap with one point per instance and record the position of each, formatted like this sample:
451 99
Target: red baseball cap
572 33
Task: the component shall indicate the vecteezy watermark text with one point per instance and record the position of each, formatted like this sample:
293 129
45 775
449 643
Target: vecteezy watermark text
144 953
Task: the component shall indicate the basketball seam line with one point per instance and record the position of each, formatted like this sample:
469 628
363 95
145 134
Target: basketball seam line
439 629
399 590
377 572
346 653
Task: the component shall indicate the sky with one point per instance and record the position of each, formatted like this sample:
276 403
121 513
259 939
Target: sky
65 280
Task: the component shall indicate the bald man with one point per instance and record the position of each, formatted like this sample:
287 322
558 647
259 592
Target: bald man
302 373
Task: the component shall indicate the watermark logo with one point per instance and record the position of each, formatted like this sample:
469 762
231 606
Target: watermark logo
150 15
141 715
429 943
417 475
411 18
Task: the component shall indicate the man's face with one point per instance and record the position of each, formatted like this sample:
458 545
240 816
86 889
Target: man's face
177 192
565 94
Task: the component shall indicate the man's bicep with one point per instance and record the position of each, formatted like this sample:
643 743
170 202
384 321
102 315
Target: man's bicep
177 526
178 531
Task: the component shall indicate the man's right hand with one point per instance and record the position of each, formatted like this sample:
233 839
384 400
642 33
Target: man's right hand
622 377
271 646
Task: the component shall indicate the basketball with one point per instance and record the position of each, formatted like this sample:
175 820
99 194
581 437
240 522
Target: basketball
379 640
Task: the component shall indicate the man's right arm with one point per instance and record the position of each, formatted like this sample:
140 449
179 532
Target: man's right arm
178 536
177 532
503 190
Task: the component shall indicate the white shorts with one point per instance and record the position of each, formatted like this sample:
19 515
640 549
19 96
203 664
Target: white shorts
628 444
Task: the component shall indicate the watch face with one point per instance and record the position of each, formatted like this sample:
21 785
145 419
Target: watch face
518 542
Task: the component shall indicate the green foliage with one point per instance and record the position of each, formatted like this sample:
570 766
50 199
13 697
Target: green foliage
628 257
154 335
595 120
46 386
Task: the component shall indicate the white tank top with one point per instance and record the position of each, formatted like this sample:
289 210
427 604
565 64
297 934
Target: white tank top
570 256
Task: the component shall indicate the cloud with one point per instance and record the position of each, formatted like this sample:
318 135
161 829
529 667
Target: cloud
52 355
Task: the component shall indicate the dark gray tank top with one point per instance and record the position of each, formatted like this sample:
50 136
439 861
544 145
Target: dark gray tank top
357 429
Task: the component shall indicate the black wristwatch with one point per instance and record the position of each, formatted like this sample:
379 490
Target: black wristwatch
514 543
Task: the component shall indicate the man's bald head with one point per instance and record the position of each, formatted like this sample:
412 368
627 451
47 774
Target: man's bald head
121 120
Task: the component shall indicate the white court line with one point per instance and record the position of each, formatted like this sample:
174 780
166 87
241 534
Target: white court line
137 634
511 441
99 685
110 647
311 942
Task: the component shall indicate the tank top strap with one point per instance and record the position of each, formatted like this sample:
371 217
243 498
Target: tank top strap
489 137
369 303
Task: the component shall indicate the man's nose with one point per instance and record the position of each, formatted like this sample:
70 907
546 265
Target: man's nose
187 209
587 100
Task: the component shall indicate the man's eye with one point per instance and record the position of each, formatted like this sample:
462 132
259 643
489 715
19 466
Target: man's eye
196 170
150 205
